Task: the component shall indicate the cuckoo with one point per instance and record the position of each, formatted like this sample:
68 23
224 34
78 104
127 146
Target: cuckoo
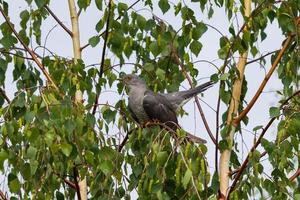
146 105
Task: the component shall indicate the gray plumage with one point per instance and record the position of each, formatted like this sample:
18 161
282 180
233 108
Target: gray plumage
145 105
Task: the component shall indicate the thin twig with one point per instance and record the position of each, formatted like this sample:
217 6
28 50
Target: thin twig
103 53
261 57
119 17
14 54
217 135
32 54
59 21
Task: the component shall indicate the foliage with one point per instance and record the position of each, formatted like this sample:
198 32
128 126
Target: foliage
46 137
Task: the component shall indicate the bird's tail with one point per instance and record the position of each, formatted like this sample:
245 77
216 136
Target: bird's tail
194 91
195 139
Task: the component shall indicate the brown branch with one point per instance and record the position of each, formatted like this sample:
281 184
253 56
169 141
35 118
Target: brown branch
261 57
178 61
119 17
32 54
14 54
120 147
3 197
76 175
217 135
59 21
237 120
3 94
103 53
245 163
70 184
294 176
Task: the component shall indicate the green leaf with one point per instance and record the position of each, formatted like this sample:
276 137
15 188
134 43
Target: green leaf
3 157
14 185
256 128
164 5
224 76
195 47
160 73
83 4
106 167
199 30
187 177
99 4
154 48
59 195
162 157
274 112
297 197
25 170
40 3
141 22
225 95
66 149
93 41
31 152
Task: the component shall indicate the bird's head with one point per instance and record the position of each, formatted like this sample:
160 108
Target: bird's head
132 80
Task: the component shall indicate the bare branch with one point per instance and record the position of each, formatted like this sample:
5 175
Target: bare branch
103 53
59 21
294 176
261 57
70 184
14 54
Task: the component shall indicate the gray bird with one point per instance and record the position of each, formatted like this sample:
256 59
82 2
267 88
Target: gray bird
145 105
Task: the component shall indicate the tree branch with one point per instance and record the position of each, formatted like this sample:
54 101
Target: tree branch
3 94
76 175
178 61
237 120
232 110
119 17
294 176
261 57
245 163
103 53
14 54
70 184
32 54
3 197
59 21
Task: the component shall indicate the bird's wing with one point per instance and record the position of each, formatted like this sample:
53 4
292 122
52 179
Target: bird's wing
158 107
181 97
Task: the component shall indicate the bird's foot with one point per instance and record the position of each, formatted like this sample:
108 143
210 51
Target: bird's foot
150 123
